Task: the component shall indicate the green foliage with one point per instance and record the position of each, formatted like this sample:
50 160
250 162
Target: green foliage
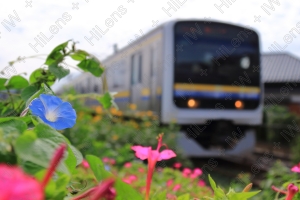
278 118
111 134
219 194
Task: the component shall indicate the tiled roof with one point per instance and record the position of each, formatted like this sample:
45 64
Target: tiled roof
280 68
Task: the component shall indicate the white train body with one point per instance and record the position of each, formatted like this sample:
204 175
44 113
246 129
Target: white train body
152 72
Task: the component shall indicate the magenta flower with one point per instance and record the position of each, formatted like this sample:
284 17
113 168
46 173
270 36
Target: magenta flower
296 168
153 156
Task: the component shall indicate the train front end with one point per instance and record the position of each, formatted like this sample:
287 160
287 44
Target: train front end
212 82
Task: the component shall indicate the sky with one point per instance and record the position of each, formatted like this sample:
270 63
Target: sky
23 21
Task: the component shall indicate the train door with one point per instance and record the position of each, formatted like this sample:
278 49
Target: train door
136 78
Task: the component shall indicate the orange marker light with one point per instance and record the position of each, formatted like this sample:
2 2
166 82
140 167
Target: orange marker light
239 104
192 103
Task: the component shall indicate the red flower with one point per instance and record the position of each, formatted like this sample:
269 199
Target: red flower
153 156
292 191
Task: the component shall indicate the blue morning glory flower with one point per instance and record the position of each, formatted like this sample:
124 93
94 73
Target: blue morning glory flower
53 111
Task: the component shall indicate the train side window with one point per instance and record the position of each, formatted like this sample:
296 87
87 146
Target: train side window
152 62
118 71
136 69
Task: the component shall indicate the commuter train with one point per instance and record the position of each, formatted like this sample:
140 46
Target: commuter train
200 74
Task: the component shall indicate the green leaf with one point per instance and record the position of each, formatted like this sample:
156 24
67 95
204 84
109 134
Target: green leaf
219 193
28 92
17 82
2 83
42 75
242 195
77 154
79 55
106 100
38 151
56 55
212 182
58 71
46 133
184 197
12 125
91 65
124 191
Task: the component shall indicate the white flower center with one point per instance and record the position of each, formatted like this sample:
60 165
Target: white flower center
51 116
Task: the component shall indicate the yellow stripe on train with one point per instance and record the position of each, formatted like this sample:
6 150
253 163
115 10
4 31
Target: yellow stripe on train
211 87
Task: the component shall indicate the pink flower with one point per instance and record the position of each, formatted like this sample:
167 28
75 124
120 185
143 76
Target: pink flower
197 171
292 191
18 185
176 187
153 156
112 161
177 165
169 182
127 165
85 164
201 183
130 179
296 168
186 172
105 160
141 170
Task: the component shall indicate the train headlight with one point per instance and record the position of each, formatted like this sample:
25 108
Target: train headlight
192 103
239 104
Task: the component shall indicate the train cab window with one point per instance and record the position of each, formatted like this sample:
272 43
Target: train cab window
136 69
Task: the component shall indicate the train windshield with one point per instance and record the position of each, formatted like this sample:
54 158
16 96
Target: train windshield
215 63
